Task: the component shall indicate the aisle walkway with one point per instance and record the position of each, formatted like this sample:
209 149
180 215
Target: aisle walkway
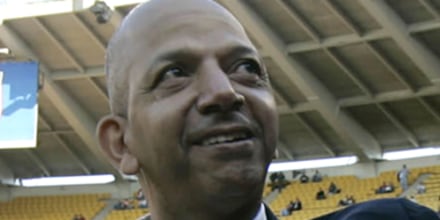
106 210
413 188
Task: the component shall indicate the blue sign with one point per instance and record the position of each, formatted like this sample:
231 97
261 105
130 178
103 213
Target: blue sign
18 104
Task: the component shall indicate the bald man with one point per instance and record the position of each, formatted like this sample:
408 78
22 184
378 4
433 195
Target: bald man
192 112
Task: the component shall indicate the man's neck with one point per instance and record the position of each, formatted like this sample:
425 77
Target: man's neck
203 212
180 204
212 210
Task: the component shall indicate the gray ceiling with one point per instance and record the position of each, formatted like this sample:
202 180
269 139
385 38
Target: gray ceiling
351 77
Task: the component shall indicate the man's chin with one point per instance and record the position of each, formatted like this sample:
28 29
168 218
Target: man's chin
241 178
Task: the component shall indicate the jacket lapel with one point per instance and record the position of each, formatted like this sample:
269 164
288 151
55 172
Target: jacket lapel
269 213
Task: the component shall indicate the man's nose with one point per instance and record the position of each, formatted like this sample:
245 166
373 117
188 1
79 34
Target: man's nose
216 92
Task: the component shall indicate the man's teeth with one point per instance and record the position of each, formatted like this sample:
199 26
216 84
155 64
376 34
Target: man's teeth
224 138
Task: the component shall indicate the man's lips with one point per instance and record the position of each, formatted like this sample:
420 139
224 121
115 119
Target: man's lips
232 151
224 138
224 135
225 142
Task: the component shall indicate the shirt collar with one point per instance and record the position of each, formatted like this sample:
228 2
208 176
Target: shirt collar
261 215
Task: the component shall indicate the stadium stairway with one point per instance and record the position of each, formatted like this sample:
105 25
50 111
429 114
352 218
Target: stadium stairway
106 210
413 188
270 197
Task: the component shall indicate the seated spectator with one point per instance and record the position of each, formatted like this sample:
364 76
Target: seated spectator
273 177
281 179
333 189
278 181
288 210
303 178
389 188
143 203
421 188
320 194
317 177
292 206
348 200
297 205
351 200
140 195
124 204
385 188
295 173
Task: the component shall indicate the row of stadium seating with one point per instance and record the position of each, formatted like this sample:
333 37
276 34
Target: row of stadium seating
431 198
53 207
361 189
89 205
129 214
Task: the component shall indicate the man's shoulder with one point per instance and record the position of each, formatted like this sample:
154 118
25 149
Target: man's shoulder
390 209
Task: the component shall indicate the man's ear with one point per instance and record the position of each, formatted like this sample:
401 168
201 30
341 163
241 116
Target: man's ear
110 132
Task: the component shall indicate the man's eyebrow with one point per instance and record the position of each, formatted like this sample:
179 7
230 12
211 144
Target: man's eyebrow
187 53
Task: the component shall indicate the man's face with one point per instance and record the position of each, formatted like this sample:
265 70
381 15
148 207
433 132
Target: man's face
200 110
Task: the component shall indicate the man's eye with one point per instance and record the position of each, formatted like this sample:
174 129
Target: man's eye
248 66
173 72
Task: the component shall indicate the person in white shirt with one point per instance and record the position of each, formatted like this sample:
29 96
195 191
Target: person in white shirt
421 188
403 176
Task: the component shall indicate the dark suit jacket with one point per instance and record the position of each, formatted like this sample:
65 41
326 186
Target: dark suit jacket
383 209
269 215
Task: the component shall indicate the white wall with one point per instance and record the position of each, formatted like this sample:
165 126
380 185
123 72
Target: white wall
411 163
117 190
362 170
5 194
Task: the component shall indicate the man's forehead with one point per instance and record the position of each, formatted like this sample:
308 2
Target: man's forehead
155 11
152 17
191 30
190 22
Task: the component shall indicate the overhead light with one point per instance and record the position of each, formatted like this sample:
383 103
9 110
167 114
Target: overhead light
129 177
310 164
407 154
4 50
66 180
